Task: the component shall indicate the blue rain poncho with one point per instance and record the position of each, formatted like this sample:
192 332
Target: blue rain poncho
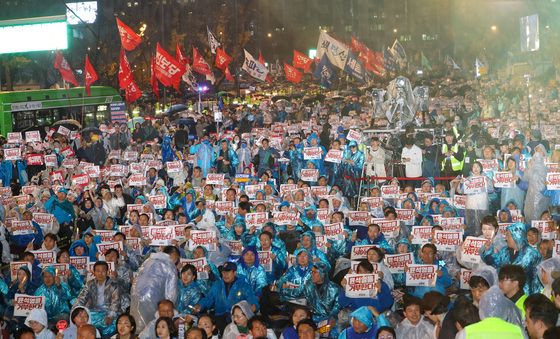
204 156
322 299
222 302
296 160
167 153
189 295
526 257
63 211
231 156
297 275
363 315
379 241
56 299
316 254
382 301
22 240
318 163
205 284
254 274
353 170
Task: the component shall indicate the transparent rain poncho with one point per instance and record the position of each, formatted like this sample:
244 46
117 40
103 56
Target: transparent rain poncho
494 304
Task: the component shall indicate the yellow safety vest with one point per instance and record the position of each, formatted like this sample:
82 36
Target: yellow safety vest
519 305
456 165
493 328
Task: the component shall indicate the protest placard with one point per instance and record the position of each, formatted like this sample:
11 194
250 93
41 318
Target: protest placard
215 179
24 304
397 262
503 180
310 175
474 185
201 265
265 260
421 234
207 239
358 218
390 191
161 235
45 257
80 263
464 279
471 248
360 251
360 285
421 275
285 218
334 156
447 241
158 201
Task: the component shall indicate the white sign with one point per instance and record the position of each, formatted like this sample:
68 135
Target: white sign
24 304
421 275
360 285
397 262
471 248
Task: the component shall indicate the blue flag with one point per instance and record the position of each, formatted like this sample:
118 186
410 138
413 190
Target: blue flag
355 67
325 72
391 64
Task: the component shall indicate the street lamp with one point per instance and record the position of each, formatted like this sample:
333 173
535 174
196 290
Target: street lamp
200 90
494 28
269 35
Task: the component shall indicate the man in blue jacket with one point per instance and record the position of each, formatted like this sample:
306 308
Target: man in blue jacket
225 293
60 207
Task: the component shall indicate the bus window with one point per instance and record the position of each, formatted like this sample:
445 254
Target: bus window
23 120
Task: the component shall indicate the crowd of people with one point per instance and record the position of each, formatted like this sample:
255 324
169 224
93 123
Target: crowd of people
289 219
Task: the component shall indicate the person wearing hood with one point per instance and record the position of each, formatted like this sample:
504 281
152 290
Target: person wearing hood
79 316
226 160
213 272
322 294
295 154
56 293
363 325
517 252
248 267
186 200
313 141
499 318
374 237
60 207
535 176
102 296
204 155
308 219
290 285
546 271
156 280
97 213
414 325
37 321
352 165
516 193
21 285
21 241
243 157
225 293
240 314
309 243
202 217
73 277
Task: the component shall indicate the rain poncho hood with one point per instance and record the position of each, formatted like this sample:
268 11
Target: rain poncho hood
255 253
364 315
487 273
37 315
519 234
494 304
245 308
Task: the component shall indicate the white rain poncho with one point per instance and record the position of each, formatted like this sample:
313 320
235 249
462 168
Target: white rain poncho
487 273
547 268
422 330
156 280
535 201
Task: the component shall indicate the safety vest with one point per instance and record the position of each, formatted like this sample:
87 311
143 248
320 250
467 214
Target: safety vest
456 165
493 328
519 304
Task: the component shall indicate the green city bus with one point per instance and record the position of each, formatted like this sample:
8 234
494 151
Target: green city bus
24 109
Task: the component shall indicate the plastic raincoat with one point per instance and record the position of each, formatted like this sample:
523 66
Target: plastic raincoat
322 299
6 173
221 302
422 330
363 315
316 254
379 241
205 284
167 153
189 295
535 201
156 280
515 193
204 156
244 157
40 316
296 160
400 278
56 299
526 257
296 275
254 274
22 240
63 211
544 271
353 170
318 163
230 155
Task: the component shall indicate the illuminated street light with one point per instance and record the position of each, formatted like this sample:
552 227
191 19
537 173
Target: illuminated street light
200 90
395 30
269 35
494 28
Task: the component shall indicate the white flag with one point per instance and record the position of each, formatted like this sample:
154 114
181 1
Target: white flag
214 43
481 69
336 51
189 78
254 68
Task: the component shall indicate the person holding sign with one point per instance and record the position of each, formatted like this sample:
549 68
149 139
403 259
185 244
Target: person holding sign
189 290
428 256
248 267
515 193
295 154
351 166
60 207
477 187
56 293
322 295
314 141
290 285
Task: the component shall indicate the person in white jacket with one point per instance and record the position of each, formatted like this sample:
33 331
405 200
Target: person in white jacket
37 321
375 159
411 156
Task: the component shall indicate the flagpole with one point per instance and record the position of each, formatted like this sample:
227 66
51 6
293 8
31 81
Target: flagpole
163 44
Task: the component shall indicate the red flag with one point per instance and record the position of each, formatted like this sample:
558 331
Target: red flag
125 73
222 59
262 62
168 70
129 39
90 75
64 68
199 64
153 79
132 92
358 46
292 74
302 61
180 56
229 77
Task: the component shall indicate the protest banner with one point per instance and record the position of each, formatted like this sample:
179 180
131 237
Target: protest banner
179 232
421 234
334 156
167 223
390 191
553 181
452 223
15 266
447 241
119 170
106 235
257 219
61 270
397 262
471 248
130 155
474 185
34 159
51 161
489 165
334 231
503 180
460 201
358 218
80 263
22 227
464 279
406 215
360 285
93 171
174 166
547 228
286 188
421 275
285 218
158 201
161 235
43 219
24 304
390 228
319 190
556 249
80 180
12 154
224 207
321 242
312 153
104 246
251 190
265 260
360 251
32 136
207 239
137 180
201 266
323 215
310 175
372 202
215 179
45 257
236 246
354 135
15 138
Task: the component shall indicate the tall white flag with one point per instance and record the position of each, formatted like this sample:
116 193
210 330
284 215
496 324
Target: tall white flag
212 41
336 51
254 68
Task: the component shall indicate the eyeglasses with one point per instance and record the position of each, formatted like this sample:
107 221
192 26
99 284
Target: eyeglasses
386 336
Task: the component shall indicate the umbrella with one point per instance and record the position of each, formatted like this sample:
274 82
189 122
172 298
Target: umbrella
282 102
71 124
86 132
280 97
176 108
132 122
